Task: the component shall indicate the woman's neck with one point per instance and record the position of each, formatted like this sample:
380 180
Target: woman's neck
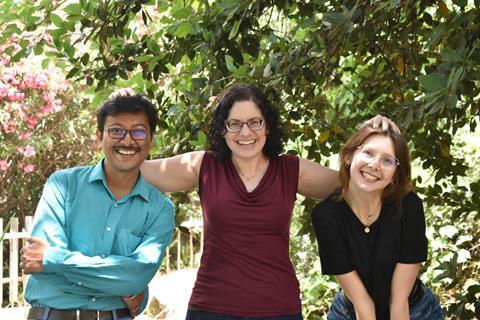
366 206
251 168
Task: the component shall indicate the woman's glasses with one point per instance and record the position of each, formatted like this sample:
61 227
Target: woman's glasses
369 155
253 124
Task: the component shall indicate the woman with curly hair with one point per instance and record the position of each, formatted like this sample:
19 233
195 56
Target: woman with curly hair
247 192
371 233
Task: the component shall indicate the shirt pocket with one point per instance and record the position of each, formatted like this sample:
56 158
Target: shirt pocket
125 242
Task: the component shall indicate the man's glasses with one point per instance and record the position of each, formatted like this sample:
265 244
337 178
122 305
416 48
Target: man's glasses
120 133
369 155
253 124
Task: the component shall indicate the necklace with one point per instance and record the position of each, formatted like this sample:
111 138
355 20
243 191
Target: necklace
367 226
250 177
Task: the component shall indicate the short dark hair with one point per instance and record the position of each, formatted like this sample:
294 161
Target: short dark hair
127 104
401 183
236 93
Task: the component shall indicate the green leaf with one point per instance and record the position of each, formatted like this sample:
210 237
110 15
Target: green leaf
234 30
99 99
332 19
85 58
143 58
183 29
451 102
45 63
56 20
72 73
228 4
69 50
122 74
230 63
153 46
180 14
433 82
393 4
73 9
461 3
452 55
38 49
199 83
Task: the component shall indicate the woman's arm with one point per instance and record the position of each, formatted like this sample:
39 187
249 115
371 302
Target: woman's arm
315 180
174 174
355 291
403 279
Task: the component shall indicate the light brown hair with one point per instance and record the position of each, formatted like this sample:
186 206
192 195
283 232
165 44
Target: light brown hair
401 182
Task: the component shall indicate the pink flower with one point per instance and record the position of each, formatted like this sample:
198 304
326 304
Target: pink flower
35 80
3 90
9 76
4 60
21 165
29 168
57 106
4 165
93 137
14 95
29 151
47 109
31 122
10 126
24 135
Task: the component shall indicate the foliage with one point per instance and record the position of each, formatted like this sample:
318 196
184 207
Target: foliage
41 130
327 65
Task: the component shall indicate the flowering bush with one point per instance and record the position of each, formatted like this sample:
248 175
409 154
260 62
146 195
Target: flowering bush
42 128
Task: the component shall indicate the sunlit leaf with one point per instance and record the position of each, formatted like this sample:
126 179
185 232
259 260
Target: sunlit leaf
183 29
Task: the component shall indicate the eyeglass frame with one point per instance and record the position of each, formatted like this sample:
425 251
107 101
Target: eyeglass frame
262 124
125 131
396 163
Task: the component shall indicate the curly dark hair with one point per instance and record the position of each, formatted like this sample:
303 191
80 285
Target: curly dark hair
236 93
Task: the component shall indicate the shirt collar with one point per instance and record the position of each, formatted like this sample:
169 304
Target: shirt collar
141 187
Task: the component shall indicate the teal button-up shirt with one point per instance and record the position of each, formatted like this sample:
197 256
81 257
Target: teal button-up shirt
101 248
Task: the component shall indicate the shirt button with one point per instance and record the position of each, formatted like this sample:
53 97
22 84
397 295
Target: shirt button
115 204
103 256
93 299
79 283
108 228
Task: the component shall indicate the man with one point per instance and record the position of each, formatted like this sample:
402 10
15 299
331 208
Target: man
100 232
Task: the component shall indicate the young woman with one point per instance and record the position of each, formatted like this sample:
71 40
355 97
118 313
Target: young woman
247 192
371 233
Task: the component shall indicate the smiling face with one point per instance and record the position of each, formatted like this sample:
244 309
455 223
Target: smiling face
125 155
371 168
246 143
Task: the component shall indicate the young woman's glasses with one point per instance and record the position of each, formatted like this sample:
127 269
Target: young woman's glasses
120 133
369 155
253 124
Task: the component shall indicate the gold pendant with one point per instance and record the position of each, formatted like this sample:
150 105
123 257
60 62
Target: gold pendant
367 229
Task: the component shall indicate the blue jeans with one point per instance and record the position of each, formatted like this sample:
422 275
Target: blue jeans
195 314
428 308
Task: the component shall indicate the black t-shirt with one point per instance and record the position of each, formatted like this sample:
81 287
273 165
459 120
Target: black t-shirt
394 237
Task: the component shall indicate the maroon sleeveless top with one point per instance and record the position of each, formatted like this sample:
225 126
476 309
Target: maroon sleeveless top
245 269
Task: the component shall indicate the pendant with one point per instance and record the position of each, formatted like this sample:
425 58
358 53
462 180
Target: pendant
367 229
